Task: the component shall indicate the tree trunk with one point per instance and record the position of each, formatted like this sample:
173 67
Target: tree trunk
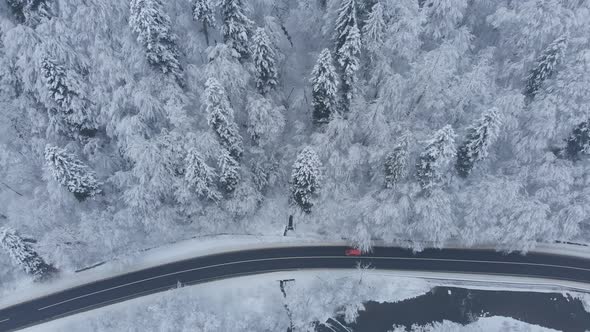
206 32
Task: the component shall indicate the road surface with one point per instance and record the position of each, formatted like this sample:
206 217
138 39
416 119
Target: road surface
233 264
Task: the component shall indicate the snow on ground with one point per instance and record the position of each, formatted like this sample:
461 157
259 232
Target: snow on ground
493 282
251 303
316 296
503 324
577 250
485 324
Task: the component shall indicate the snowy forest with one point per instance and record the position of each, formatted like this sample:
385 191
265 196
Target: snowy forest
126 124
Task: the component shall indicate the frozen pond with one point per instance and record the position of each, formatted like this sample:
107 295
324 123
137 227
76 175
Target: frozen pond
552 310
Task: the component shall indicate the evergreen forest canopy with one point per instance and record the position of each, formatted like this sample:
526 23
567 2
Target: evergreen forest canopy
128 124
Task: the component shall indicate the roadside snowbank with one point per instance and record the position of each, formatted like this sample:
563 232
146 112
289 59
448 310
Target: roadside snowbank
485 324
493 282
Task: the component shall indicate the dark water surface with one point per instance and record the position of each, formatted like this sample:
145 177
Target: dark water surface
552 310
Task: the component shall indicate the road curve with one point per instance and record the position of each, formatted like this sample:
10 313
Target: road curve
238 263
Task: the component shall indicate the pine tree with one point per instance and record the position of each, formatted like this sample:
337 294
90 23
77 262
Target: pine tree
480 136
55 78
220 117
236 26
8 79
363 10
66 100
265 170
375 28
324 81
396 163
24 255
578 142
265 62
345 21
348 48
306 179
71 173
443 17
152 26
265 121
200 177
30 12
433 161
229 171
545 66
203 12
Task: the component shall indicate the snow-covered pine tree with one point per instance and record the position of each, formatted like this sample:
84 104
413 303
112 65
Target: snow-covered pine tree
30 12
265 170
396 163
265 121
375 28
324 83
229 171
24 255
8 80
436 156
443 17
223 64
200 177
363 9
236 26
348 48
265 62
203 12
545 66
578 142
479 137
306 179
67 102
55 78
71 173
220 117
150 22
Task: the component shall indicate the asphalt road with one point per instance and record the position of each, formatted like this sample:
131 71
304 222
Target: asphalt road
233 264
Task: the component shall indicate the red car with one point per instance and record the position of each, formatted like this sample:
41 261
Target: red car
352 252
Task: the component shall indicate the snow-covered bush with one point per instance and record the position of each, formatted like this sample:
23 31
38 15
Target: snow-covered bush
23 254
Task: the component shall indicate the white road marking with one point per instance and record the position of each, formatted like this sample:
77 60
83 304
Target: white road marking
4 320
312 257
